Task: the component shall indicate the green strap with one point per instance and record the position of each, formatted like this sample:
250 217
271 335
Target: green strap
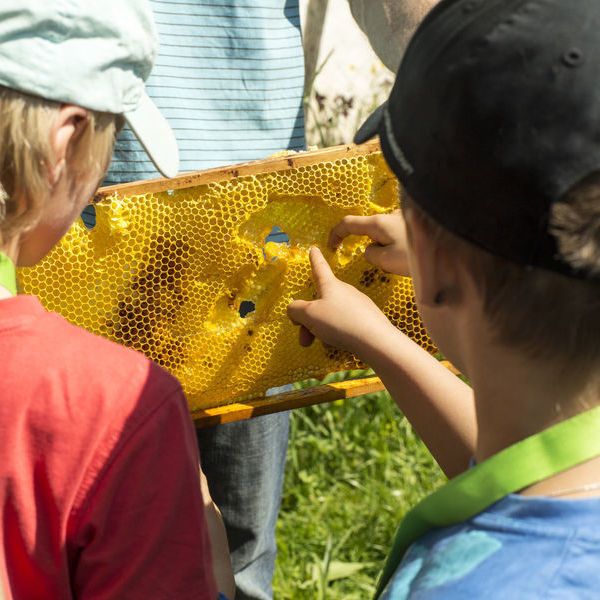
533 459
8 274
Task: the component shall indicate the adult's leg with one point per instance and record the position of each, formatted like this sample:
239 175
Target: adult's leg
244 463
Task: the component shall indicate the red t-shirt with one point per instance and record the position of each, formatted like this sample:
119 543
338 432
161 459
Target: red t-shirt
99 480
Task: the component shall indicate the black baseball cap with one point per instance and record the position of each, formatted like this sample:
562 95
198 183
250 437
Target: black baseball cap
495 115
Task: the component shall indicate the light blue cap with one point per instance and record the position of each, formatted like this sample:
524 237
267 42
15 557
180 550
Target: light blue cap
93 53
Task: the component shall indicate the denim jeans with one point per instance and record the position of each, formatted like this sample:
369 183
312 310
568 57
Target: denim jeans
244 463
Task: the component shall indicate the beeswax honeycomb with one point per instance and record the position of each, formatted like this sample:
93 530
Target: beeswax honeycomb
167 273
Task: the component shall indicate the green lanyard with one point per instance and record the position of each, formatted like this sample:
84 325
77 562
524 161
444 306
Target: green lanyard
8 274
533 459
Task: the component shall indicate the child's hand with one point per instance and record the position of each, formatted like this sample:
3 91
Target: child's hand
340 316
388 232
222 568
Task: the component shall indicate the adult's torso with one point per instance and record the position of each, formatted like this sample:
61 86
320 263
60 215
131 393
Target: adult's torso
229 78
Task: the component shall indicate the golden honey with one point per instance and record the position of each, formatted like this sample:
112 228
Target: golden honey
171 274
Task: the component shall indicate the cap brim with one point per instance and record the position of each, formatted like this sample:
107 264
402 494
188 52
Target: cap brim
371 127
155 135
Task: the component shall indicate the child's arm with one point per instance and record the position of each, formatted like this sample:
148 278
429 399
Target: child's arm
218 540
437 403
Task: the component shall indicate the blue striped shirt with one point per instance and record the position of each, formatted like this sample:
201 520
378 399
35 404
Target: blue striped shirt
229 78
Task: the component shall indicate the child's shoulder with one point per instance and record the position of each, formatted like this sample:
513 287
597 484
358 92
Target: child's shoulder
83 420
520 547
48 351
77 398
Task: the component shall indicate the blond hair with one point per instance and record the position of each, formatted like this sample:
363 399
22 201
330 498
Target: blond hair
25 154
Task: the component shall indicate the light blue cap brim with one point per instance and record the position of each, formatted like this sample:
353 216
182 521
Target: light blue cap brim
155 135
92 54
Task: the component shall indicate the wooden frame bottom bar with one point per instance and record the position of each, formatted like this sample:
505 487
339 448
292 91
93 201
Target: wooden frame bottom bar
286 401
339 390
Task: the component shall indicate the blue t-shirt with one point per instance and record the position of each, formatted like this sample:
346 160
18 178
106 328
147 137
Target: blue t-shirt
229 78
520 548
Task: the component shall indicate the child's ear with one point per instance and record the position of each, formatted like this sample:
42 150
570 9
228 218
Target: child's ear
69 122
433 264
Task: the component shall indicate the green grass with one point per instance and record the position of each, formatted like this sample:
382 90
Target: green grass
354 468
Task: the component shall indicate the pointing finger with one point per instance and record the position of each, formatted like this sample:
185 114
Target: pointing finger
322 272
305 337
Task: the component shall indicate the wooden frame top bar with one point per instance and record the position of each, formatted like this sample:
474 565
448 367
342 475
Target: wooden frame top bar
267 165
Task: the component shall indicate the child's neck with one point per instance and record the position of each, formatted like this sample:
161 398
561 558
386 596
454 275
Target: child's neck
581 481
517 396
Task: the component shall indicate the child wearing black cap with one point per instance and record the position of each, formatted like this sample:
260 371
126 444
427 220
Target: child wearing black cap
493 130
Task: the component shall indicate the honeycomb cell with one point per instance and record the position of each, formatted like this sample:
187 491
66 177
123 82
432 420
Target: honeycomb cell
167 273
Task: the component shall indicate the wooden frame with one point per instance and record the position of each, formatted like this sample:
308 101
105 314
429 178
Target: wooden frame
339 390
287 400
267 165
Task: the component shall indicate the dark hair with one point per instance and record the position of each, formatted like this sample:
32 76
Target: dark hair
575 224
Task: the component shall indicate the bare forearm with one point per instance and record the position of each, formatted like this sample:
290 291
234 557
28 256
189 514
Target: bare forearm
222 568
437 403
389 24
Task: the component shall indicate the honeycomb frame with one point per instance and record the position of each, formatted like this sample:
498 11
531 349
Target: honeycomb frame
171 263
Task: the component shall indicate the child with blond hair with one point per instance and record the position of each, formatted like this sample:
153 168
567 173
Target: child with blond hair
100 485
